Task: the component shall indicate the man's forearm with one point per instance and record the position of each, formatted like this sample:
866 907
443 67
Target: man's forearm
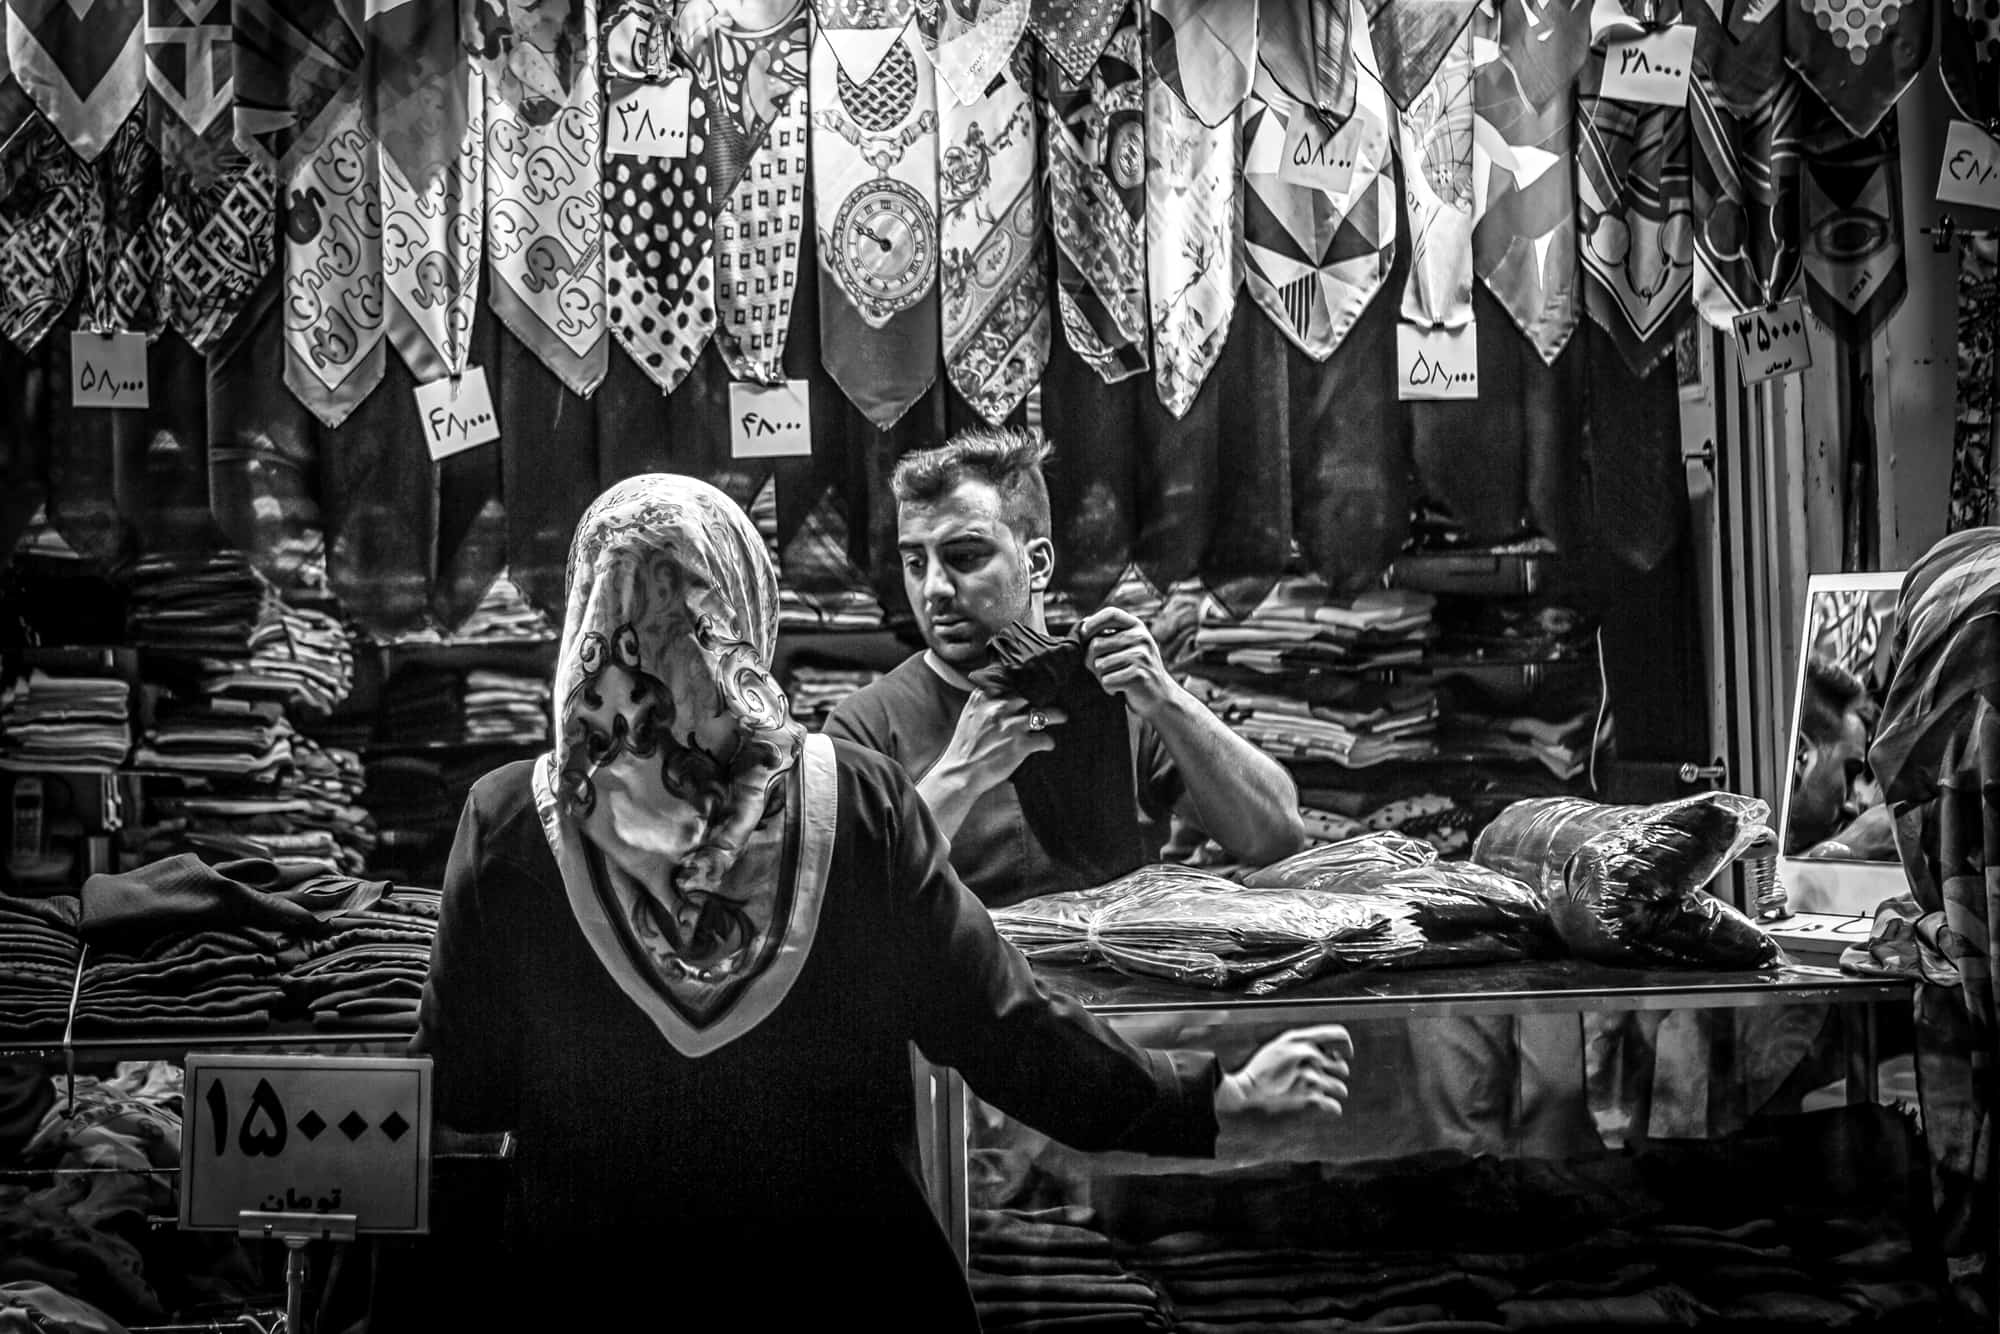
1243 798
949 791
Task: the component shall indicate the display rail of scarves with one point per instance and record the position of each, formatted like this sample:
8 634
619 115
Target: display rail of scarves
314 210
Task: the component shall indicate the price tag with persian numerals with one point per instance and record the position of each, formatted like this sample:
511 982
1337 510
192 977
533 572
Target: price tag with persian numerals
1770 343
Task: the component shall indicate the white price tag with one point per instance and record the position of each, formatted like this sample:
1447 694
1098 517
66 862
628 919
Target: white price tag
1970 172
1650 68
1770 343
307 1135
651 120
108 371
770 421
1317 160
1437 363
457 414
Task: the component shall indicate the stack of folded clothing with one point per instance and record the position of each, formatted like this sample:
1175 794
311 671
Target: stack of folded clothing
504 615
367 971
1560 731
49 719
1302 624
299 658
38 954
1197 928
505 708
814 692
820 586
196 607
1346 721
1051 1270
233 739
311 818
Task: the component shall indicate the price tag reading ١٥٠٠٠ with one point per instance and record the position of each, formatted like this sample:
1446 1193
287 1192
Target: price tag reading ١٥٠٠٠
307 1135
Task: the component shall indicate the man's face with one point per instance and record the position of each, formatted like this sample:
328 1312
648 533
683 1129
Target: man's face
967 573
1832 775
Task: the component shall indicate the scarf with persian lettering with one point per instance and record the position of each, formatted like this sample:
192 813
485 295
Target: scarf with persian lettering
1635 224
544 164
1858 55
658 216
1523 188
1975 465
1094 159
875 190
41 231
1204 53
216 219
757 79
1969 58
1435 137
970 43
1302 45
82 63
1314 259
992 304
1073 33
1412 38
428 103
1852 202
1746 171
1194 235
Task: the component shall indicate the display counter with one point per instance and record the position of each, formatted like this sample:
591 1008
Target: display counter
1626 1118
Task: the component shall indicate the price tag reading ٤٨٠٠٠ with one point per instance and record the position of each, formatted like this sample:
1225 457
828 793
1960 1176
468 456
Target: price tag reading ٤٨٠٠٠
770 421
1970 171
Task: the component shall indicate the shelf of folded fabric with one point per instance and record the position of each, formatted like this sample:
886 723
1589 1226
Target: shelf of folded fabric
273 1041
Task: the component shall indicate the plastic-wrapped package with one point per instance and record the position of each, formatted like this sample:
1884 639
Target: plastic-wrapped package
1534 840
1624 883
1328 866
1195 928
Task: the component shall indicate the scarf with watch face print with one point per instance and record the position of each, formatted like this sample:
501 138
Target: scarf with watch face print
695 872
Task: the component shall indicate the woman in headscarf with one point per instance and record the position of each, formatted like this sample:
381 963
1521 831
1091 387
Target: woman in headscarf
683 955
1936 755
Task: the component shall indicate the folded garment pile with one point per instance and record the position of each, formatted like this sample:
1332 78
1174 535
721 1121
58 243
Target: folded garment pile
821 586
506 708
424 705
238 740
57 719
1053 1270
1303 624
195 608
814 692
311 817
1346 721
178 945
1197 928
504 615
1560 730
300 659
38 956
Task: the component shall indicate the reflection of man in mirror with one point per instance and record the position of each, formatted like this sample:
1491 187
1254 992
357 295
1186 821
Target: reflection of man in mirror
1836 812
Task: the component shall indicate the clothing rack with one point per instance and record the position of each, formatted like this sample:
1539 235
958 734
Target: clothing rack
1947 229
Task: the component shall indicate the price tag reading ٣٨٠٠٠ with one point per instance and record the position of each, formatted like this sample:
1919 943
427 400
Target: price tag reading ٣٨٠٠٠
307 1135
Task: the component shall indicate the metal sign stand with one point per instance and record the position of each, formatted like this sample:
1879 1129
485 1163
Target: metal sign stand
295 1230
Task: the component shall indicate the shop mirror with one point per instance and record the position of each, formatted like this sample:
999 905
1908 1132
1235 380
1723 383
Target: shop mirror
1839 852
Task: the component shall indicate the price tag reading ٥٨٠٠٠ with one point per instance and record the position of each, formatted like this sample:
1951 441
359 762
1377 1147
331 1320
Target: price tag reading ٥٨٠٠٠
307 1135
1437 363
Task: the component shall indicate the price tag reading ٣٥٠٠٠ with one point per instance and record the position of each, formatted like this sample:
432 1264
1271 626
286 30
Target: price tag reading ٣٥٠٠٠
1770 343
307 1135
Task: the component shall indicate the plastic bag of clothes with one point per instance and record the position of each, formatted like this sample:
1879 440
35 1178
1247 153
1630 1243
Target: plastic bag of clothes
1624 883
1467 913
1195 928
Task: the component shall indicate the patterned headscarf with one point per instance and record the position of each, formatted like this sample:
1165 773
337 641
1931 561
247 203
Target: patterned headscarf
674 748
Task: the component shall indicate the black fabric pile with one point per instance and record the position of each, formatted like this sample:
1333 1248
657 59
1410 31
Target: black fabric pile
1043 669
367 972
1052 1270
235 740
195 607
38 954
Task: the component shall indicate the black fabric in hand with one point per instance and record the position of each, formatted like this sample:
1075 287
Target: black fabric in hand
1043 669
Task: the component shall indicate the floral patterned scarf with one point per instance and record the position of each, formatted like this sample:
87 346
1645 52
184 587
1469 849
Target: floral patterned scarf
690 819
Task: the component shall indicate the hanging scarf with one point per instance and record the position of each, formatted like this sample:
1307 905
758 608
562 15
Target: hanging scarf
432 235
543 209
1412 38
970 42
1204 53
1969 58
216 219
1073 33
41 232
671 620
1635 220
1858 55
1094 160
875 190
757 78
1852 206
1435 137
1303 46
1746 201
121 254
1523 186
993 305
1975 466
1315 259
83 65
296 63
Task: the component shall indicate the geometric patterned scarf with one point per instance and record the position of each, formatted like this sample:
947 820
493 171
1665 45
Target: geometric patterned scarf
82 63
121 254
1436 133
1314 259
1073 32
41 231
543 151
1746 198
1852 223
1094 160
